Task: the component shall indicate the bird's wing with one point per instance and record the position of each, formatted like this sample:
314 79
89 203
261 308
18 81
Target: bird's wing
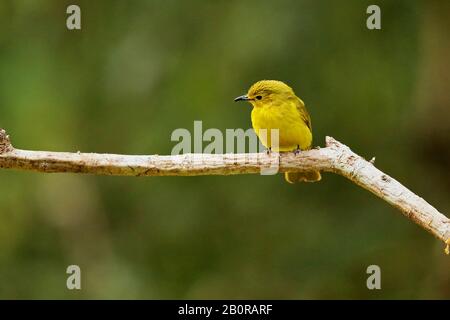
304 113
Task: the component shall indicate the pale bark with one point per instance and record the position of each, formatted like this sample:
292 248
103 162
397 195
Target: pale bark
335 157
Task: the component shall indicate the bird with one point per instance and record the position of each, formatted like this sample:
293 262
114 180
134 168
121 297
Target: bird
275 106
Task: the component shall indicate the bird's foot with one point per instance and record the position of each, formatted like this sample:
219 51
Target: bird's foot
268 151
297 151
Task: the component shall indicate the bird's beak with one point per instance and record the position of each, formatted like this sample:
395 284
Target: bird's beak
242 98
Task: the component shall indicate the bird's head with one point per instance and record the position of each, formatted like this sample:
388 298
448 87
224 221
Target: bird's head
268 92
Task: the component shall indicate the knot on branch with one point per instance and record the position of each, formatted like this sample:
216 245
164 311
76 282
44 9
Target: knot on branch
332 143
5 143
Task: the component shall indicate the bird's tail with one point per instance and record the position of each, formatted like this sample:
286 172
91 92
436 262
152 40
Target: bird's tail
307 176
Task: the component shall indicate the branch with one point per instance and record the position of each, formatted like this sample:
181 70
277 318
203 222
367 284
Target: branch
336 158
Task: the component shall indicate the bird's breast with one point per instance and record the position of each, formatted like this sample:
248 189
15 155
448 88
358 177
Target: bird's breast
292 131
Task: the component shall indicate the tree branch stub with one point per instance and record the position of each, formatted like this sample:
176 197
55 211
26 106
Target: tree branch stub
5 143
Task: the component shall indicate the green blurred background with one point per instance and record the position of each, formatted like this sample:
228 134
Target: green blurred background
140 69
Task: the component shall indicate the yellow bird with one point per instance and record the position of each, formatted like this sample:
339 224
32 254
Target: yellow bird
275 106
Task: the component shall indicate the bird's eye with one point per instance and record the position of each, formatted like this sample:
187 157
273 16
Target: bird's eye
258 97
